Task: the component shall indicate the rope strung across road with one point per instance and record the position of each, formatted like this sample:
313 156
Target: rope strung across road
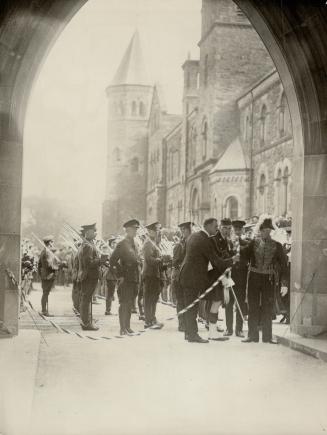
225 279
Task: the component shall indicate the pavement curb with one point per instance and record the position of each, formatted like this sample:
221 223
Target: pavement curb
297 343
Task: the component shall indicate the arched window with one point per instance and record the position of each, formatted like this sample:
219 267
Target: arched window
117 154
121 108
135 164
204 134
188 80
194 136
134 108
206 70
281 116
278 192
142 110
263 125
262 194
231 208
286 190
195 207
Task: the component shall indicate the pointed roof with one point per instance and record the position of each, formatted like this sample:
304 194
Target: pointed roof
131 70
233 158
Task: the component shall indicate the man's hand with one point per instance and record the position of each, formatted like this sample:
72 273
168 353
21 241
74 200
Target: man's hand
283 290
236 258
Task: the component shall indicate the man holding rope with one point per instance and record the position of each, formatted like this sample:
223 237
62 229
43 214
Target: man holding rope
194 273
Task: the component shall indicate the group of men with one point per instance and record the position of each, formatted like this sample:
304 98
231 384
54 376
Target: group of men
136 266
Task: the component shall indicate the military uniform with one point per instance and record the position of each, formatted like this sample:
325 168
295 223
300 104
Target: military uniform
48 266
153 280
125 259
264 256
76 290
178 257
88 275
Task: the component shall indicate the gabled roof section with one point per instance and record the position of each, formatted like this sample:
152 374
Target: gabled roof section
233 158
131 70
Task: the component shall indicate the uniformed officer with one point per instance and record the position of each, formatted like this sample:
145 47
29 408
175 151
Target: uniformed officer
178 257
152 274
48 266
110 278
239 276
126 260
265 256
88 275
76 289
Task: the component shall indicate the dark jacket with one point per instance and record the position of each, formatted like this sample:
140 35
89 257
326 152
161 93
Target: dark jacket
88 261
126 259
179 252
47 265
152 266
199 252
240 269
266 256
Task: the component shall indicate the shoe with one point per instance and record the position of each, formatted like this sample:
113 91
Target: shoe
123 332
219 339
141 317
249 340
130 331
147 325
228 333
239 334
89 327
272 341
107 313
197 339
157 325
48 314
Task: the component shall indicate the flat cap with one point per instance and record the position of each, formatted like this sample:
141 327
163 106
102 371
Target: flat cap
226 221
186 225
154 226
238 223
131 223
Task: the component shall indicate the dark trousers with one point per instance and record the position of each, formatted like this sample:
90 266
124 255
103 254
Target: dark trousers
152 289
140 299
229 310
191 325
76 295
180 305
260 299
126 291
88 287
110 291
47 285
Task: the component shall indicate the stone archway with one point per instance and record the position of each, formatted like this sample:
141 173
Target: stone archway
294 34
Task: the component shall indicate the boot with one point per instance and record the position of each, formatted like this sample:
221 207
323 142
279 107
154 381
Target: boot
128 321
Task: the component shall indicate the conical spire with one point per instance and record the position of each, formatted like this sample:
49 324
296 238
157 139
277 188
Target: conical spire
132 70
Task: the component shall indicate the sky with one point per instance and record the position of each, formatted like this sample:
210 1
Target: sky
65 129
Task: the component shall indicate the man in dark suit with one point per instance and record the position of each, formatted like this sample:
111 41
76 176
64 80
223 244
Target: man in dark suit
178 258
194 273
88 275
126 261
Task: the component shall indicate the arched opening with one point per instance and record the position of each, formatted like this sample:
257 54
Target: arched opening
195 207
231 208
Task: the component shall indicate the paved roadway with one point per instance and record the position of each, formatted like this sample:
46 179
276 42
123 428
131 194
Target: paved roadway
158 384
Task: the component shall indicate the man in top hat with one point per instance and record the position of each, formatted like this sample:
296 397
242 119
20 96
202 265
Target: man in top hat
152 274
126 261
239 276
265 256
110 278
88 275
178 257
48 266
